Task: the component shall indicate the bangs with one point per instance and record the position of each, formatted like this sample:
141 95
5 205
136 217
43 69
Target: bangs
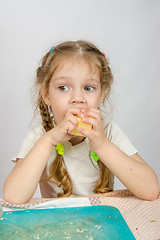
91 62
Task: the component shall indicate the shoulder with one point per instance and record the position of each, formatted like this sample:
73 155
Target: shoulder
37 131
31 138
34 134
110 128
116 135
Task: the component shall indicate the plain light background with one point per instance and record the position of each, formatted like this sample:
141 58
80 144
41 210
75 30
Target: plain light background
128 31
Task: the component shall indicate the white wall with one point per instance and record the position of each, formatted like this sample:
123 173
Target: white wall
127 31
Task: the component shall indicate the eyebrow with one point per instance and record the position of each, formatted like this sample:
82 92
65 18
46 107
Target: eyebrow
62 77
68 78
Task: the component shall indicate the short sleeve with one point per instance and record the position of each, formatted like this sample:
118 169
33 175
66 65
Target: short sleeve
32 137
117 137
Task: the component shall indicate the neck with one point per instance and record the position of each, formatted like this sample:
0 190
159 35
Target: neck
76 140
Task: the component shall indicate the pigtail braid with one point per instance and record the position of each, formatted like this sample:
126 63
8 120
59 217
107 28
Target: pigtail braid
60 174
47 121
104 180
57 171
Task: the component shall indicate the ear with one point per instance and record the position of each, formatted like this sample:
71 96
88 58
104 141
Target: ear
102 93
45 95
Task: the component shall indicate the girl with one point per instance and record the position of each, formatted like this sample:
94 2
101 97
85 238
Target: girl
73 80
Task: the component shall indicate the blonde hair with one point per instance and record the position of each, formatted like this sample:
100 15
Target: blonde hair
50 63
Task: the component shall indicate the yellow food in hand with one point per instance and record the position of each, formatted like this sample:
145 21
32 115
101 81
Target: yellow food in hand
82 125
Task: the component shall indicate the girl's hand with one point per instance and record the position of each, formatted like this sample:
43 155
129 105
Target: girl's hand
97 137
62 131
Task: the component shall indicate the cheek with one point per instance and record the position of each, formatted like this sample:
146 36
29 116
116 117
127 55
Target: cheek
95 101
59 111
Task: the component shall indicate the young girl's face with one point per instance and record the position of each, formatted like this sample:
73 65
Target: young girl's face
73 85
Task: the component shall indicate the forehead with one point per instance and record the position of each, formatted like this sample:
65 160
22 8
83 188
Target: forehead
77 63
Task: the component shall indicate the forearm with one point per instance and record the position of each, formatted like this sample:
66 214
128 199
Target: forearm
24 178
133 172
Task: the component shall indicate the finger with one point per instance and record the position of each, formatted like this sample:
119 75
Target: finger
69 123
75 111
93 112
73 120
92 121
70 127
85 132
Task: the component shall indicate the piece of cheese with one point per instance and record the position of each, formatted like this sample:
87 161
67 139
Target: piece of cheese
82 125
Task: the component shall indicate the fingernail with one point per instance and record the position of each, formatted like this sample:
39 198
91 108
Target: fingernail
82 114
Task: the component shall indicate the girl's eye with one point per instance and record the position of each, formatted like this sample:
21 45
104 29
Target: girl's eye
89 88
63 88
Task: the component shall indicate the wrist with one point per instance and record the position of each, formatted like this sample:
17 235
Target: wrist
48 140
103 148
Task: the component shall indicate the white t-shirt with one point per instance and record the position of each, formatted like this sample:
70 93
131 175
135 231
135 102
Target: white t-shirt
83 172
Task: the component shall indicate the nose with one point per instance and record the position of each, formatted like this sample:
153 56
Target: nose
77 97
